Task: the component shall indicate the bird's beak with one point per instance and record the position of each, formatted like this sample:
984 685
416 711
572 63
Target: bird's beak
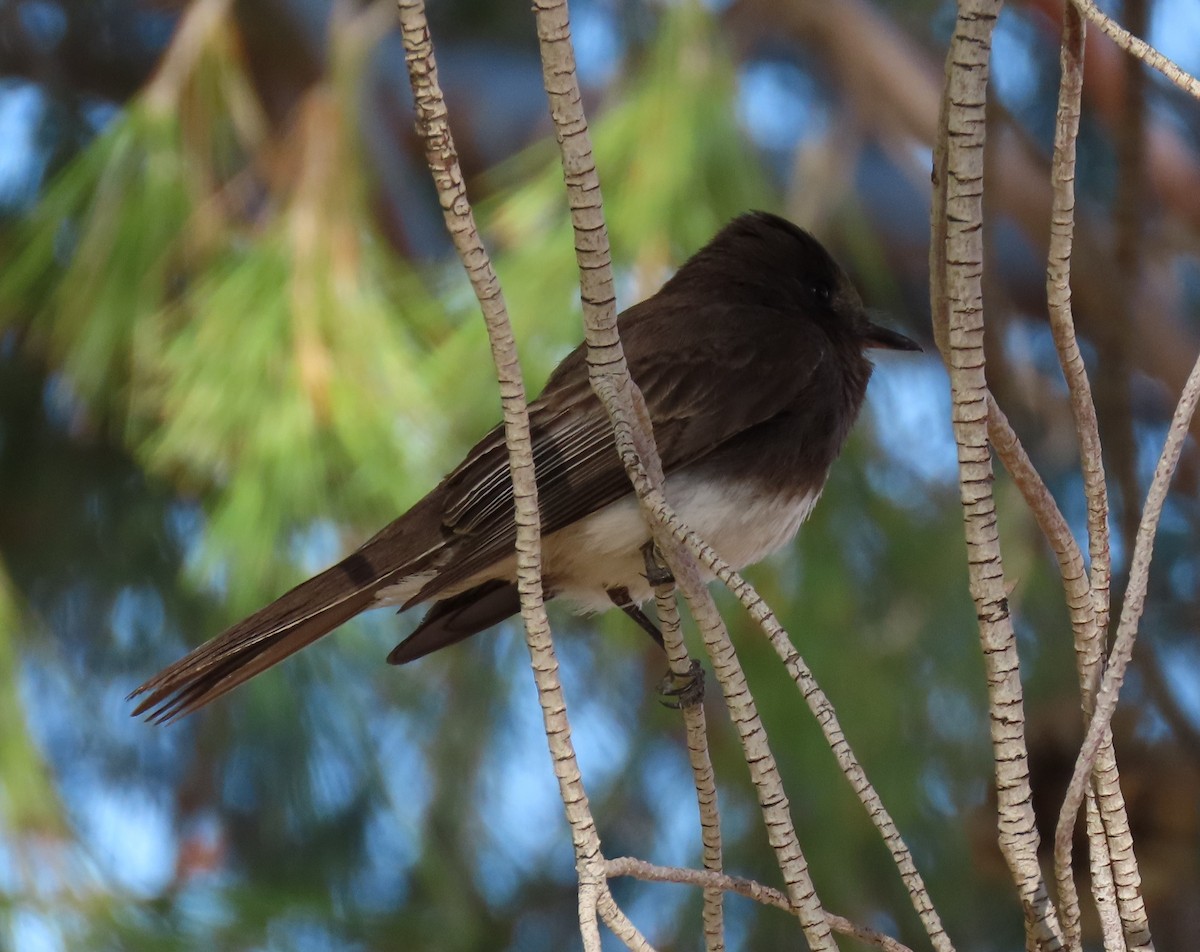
876 335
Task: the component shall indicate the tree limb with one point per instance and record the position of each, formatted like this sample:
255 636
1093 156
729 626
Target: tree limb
957 303
1127 629
432 122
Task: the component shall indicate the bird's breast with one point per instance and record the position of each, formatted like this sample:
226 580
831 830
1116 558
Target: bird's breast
743 520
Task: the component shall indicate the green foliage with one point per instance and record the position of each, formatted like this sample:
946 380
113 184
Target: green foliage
271 371
96 256
28 800
289 398
129 223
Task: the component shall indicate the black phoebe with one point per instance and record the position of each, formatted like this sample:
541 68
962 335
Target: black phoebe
751 363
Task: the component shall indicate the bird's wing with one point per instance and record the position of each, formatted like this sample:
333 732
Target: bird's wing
739 368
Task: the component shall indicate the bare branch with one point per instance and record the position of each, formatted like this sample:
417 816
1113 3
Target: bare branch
618 922
1103 886
822 710
648 872
1049 519
1112 860
1083 622
589 926
957 265
1138 47
1062 326
443 163
1131 613
1089 635
685 547
702 768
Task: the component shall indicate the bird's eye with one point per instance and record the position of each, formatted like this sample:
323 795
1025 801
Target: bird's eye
823 293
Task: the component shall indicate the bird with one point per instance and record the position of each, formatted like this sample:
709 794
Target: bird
752 362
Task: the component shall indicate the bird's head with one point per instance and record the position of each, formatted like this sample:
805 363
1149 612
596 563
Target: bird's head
766 260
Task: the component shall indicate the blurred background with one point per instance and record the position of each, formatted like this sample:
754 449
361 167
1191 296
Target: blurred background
234 342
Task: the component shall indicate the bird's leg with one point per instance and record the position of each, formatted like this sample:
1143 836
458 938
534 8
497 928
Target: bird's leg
681 690
620 598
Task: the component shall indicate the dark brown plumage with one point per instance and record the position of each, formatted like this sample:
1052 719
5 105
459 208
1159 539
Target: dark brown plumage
751 360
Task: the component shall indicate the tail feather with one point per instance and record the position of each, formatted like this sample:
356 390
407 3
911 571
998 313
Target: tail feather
408 548
310 610
452 619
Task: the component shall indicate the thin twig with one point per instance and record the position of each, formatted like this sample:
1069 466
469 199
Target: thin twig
432 122
1089 637
957 262
1080 607
822 710
1131 613
667 610
1117 849
1138 47
648 872
1049 518
619 923
1062 327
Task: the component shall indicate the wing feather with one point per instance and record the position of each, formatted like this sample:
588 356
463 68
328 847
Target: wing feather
701 392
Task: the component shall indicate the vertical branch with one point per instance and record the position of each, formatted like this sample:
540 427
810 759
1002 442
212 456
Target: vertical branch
1115 338
1116 854
957 259
822 710
609 375
433 125
667 611
1131 612
1088 639
1062 327
1104 887
1083 623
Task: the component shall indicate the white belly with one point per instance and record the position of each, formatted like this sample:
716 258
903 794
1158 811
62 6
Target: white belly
583 561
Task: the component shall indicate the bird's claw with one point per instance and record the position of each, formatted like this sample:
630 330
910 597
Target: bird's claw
657 571
681 691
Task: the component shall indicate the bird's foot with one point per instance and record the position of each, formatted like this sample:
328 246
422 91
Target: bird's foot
657 571
681 691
